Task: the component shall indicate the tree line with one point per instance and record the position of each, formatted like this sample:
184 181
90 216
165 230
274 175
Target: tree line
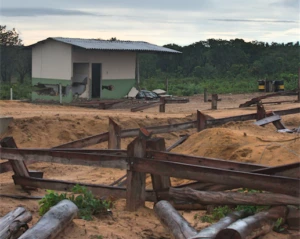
217 60
221 64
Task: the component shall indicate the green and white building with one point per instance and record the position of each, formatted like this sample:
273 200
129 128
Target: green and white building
86 68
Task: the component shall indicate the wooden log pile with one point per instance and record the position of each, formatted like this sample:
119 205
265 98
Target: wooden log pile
53 222
236 225
13 224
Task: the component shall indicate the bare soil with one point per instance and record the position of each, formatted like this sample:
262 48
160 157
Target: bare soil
45 126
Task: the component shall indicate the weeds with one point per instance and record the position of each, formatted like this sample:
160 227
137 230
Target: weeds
86 202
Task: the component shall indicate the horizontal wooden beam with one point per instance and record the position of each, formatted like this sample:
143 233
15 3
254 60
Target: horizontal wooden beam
99 138
249 116
81 143
73 158
159 129
231 198
203 161
145 106
277 184
176 100
59 185
288 170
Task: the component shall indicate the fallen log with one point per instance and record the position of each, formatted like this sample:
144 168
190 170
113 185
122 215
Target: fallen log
293 218
232 198
254 226
173 221
53 222
212 231
13 224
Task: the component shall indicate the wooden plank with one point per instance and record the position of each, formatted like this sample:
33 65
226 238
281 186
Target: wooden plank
19 167
203 161
267 120
81 143
288 170
249 116
178 142
176 100
62 157
160 129
276 184
114 135
158 182
136 181
59 185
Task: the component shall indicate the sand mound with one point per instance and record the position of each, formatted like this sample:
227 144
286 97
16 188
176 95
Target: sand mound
244 142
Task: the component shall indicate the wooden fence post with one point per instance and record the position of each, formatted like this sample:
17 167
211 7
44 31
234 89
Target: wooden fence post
201 121
260 111
135 194
114 135
214 101
19 167
158 182
162 106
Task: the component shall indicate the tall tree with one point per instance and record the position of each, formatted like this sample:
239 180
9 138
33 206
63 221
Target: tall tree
14 60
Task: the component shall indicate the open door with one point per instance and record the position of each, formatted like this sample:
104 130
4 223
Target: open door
96 80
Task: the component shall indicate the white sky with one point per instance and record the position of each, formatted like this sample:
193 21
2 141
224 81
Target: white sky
158 22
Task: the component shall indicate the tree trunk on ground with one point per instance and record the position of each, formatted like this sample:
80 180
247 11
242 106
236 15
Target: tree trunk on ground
232 198
173 221
53 222
212 231
13 224
293 218
254 226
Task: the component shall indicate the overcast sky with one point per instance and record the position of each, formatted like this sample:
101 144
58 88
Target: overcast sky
157 21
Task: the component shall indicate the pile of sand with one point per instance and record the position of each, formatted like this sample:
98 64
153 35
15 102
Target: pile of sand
244 142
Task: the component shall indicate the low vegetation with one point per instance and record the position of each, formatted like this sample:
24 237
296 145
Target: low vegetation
86 202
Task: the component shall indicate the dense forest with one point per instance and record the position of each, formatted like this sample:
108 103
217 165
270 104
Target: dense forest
222 66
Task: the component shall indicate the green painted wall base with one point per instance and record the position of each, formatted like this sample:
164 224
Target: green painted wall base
44 97
121 88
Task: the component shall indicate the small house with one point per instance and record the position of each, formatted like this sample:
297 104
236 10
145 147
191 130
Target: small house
69 68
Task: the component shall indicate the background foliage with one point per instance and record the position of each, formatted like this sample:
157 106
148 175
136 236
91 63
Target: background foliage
221 66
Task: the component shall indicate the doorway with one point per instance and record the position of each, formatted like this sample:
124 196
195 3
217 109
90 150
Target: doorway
96 80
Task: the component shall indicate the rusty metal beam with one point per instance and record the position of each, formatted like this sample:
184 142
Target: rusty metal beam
277 184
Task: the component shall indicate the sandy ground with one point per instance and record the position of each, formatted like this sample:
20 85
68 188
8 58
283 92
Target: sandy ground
45 126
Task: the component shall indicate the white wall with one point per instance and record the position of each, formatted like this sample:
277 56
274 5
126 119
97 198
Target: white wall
115 65
53 60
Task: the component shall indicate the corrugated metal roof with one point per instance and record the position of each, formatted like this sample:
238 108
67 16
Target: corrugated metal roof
112 45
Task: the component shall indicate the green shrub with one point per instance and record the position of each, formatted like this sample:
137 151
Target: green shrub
86 202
